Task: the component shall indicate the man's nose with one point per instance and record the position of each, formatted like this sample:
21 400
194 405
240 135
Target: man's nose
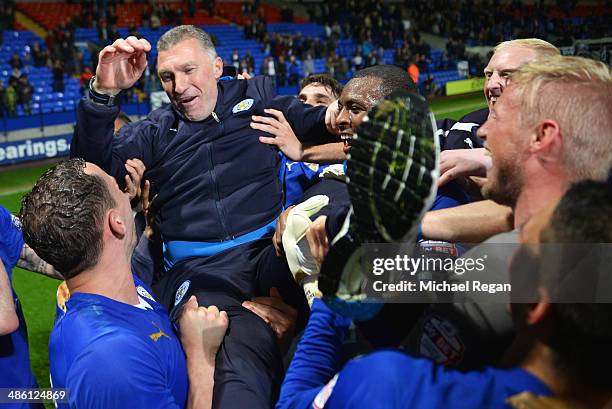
344 118
180 84
482 131
495 81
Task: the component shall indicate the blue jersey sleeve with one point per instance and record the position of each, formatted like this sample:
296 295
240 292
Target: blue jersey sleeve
297 177
119 376
11 239
316 360
390 379
450 195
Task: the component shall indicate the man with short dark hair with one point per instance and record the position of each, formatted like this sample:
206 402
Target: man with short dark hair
311 92
114 346
369 85
313 225
360 94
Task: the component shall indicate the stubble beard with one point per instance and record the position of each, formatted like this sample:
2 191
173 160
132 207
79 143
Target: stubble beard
506 187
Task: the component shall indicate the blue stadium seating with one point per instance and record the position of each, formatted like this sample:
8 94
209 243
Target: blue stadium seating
229 37
306 29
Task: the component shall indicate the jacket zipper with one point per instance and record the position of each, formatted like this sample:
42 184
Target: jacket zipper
213 176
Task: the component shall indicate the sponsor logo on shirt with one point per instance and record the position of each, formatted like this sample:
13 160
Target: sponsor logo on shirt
243 105
440 341
157 335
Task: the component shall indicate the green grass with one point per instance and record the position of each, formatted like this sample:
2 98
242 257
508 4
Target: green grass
456 108
37 293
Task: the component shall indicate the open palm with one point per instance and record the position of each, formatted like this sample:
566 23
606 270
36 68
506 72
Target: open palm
121 64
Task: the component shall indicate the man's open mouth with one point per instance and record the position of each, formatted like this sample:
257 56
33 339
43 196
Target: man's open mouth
493 97
346 139
187 101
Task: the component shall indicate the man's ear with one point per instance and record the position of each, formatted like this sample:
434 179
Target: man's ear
538 312
547 141
218 67
117 225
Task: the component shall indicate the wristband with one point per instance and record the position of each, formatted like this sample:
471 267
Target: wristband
103 99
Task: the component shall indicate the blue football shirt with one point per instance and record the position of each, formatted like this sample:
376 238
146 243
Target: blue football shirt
110 354
297 177
11 240
388 379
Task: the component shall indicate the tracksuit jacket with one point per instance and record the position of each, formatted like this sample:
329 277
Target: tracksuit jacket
214 181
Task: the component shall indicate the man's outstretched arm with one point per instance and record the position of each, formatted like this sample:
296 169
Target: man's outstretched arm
285 139
9 322
202 331
308 122
470 223
29 260
316 360
120 66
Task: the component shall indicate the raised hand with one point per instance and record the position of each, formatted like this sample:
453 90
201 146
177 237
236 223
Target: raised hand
121 64
458 163
133 178
331 118
283 136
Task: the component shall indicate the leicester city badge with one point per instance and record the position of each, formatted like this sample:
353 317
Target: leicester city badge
243 105
180 293
144 293
312 166
16 222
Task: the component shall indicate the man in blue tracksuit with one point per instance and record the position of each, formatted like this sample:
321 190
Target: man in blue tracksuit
216 191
